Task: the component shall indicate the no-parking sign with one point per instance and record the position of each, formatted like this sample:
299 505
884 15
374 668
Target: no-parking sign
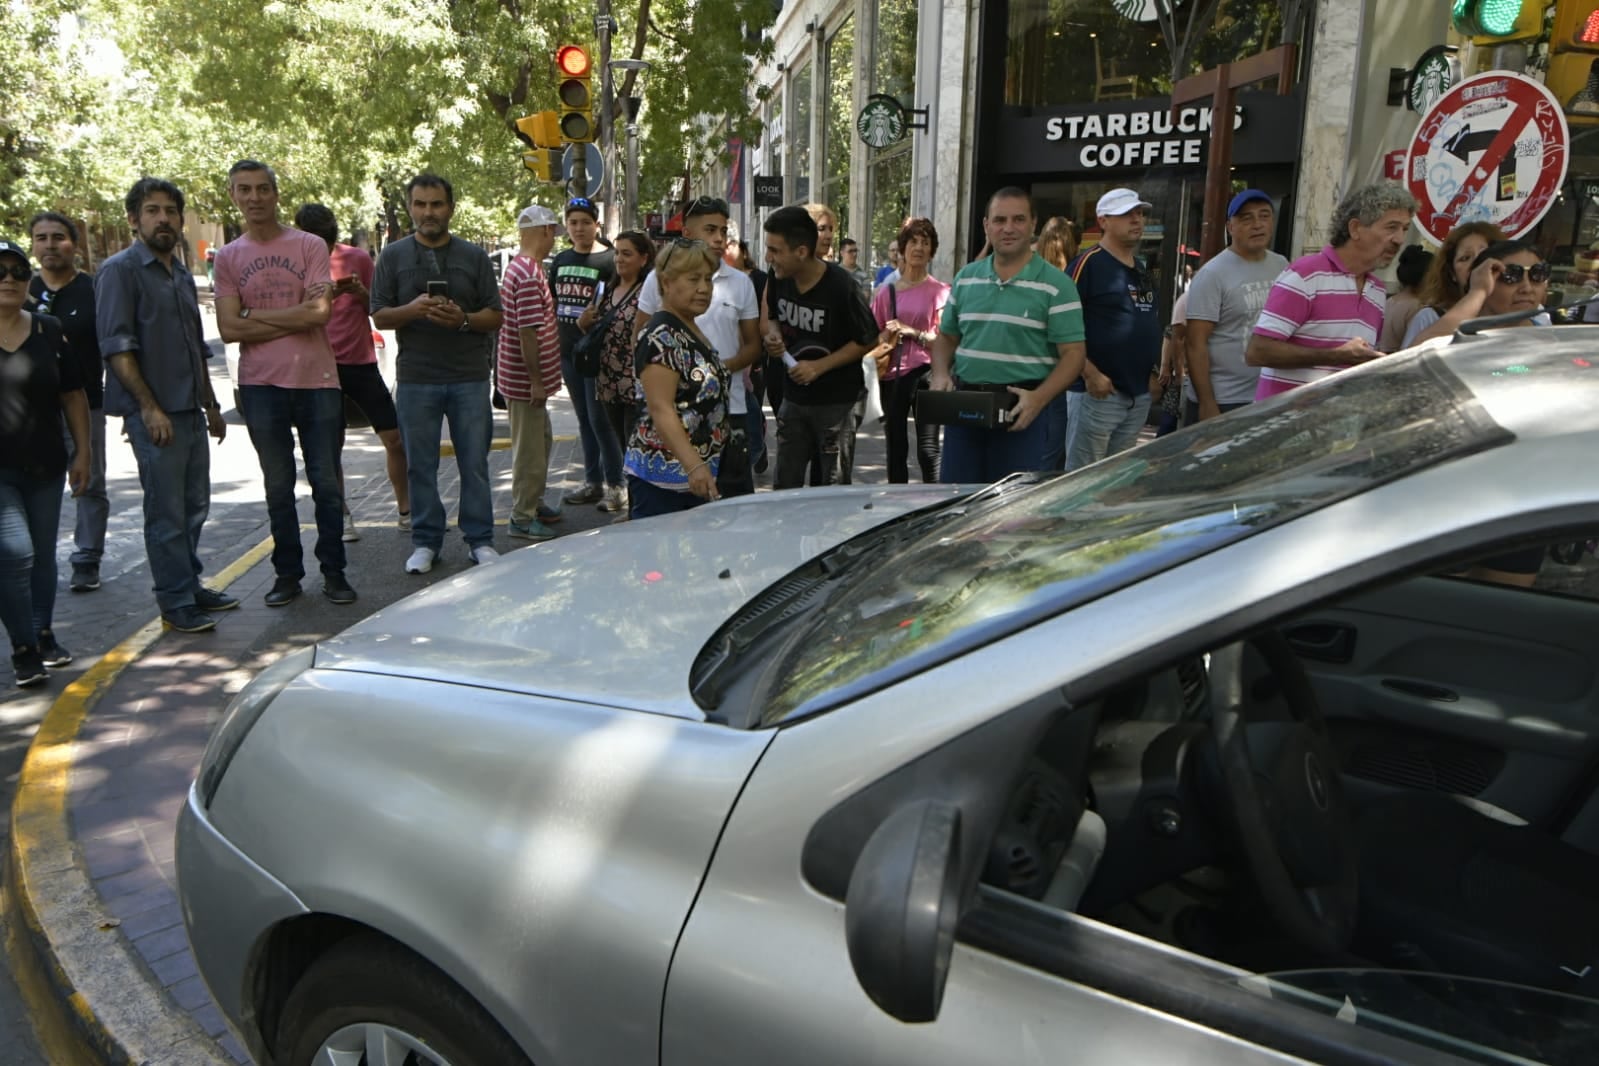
1492 149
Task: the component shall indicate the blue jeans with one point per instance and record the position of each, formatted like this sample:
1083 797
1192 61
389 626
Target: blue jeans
755 426
602 452
30 511
93 507
1097 428
274 416
645 500
1056 415
973 456
176 481
423 410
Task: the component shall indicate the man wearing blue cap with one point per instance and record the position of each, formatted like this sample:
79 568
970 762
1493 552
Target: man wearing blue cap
1107 406
1224 300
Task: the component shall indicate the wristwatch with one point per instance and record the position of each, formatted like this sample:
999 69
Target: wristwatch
465 326
244 312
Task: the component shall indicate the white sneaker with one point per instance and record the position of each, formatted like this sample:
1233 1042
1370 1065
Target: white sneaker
615 499
350 532
483 555
421 561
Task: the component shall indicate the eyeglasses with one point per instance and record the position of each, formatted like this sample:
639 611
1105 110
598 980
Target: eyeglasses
1538 273
17 272
707 205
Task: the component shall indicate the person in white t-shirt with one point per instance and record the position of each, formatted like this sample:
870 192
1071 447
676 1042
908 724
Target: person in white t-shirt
730 324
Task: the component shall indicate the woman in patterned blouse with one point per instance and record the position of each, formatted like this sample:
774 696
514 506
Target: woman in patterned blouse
676 448
616 387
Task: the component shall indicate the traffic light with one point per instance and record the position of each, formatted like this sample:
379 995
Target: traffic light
1496 21
1573 67
545 163
574 69
540 130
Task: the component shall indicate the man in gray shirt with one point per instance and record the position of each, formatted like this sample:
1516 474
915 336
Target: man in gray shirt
1224 299
147 318
439 296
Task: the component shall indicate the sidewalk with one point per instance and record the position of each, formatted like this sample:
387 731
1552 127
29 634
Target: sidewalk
92 885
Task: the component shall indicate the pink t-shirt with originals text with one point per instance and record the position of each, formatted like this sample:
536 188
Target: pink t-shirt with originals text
1317 303
276 274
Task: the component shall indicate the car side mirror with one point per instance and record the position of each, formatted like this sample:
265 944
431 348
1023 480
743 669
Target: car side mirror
901 909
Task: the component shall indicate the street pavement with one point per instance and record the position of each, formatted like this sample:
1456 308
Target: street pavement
133 756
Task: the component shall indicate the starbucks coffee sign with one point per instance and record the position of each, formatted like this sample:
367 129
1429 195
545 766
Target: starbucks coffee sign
882 121
1434 74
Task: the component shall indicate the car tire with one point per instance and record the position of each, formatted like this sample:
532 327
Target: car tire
370 981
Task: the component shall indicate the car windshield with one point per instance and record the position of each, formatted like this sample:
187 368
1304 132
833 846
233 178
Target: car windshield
1041 550
1475 1020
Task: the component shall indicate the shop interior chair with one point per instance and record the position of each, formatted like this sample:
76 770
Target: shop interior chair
1115 86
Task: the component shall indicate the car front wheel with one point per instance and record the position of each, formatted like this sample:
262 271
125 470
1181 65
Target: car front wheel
369 1002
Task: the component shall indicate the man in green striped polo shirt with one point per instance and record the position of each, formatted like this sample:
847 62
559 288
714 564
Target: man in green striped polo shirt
1013 324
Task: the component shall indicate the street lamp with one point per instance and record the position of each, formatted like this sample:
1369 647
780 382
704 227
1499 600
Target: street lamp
631 105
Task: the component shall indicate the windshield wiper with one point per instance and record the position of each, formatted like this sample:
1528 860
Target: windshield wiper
812 584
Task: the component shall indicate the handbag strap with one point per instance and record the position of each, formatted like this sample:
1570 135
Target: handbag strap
899 342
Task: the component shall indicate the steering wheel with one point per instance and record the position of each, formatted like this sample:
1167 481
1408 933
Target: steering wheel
1282 782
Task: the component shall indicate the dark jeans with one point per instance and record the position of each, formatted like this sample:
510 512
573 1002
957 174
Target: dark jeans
975 456
846 447
646 501
1055 440
176 481
1191 410
30 512
811 432
93 507
274 417
899 405
755 418
623 419
423 410
602 452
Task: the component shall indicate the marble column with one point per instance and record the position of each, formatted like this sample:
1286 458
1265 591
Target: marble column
1329 118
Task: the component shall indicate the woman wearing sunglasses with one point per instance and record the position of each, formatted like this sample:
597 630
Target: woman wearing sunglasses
39 383
1504 275
676 448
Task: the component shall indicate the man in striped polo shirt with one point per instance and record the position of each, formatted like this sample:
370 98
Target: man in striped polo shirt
1325 312
529 365
1014 324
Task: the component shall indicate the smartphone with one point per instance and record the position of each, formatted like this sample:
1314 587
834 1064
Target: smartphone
440 289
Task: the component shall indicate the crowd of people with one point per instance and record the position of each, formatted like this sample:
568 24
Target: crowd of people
669 353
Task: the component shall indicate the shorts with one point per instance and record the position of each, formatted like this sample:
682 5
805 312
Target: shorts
363 385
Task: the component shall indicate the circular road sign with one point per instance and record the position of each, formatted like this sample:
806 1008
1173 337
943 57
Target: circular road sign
1494 148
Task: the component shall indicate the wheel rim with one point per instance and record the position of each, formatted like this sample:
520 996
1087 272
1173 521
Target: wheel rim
374 1044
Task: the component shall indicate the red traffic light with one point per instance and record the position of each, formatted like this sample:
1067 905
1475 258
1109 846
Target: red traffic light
573 60
1589 33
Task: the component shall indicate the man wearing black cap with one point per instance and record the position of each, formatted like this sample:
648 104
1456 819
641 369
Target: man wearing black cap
1224 299
575 277
1107 406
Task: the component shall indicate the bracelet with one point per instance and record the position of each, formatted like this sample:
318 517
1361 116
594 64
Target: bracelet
690 473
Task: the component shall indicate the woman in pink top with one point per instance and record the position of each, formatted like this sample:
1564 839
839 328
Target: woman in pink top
907 313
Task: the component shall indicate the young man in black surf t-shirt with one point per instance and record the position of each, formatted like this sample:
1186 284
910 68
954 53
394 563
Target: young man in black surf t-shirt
816 314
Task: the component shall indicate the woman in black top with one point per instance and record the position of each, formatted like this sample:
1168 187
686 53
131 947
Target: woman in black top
616 386
39 381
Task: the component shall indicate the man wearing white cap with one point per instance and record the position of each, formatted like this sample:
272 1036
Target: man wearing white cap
1108 405
529 367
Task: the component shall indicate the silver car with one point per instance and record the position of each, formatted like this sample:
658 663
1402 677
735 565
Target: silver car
1250 745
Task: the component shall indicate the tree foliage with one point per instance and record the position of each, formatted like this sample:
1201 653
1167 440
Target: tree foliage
344 98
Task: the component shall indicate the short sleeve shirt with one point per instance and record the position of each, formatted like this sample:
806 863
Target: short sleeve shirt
575 278
702 383
1120 322
431 354
349 326
818 322
1007 331
1230 292
32 379
732 302
1318 303
73 306
277 274
527 303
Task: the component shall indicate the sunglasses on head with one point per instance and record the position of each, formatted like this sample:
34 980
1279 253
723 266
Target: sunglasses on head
682 242
581 203
16 271
707 205
1538 273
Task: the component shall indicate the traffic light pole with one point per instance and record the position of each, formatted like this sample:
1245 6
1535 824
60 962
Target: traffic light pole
607 127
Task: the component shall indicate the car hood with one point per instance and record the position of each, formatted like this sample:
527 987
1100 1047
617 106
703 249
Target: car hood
616 615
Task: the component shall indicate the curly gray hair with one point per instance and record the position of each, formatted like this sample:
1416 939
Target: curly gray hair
1369 203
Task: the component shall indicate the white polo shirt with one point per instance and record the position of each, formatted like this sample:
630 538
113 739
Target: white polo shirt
732 302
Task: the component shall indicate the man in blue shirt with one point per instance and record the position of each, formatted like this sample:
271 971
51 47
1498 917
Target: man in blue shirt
147 317
1108 405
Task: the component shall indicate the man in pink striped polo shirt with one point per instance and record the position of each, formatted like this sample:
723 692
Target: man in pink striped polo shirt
1325 312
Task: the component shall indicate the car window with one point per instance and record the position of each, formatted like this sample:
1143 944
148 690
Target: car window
1569 567
1069 540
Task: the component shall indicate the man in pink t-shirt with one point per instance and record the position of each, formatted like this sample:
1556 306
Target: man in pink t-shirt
1325 312
350 336
273 290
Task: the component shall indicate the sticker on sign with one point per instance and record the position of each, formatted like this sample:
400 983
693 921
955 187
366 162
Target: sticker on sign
1494 148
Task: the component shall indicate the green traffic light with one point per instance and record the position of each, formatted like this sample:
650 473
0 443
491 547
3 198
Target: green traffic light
1486 18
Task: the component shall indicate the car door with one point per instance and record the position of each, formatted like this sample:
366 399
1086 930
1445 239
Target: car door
1482 689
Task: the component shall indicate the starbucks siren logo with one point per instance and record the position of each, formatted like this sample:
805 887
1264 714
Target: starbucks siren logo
881 122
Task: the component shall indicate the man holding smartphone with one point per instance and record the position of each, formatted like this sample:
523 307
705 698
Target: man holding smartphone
439 296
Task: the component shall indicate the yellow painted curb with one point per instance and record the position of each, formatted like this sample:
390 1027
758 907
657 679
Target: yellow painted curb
498 444
65 951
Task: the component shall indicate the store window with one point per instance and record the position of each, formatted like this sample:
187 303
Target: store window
774 136
838 125
799 137
1079 51
889 174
